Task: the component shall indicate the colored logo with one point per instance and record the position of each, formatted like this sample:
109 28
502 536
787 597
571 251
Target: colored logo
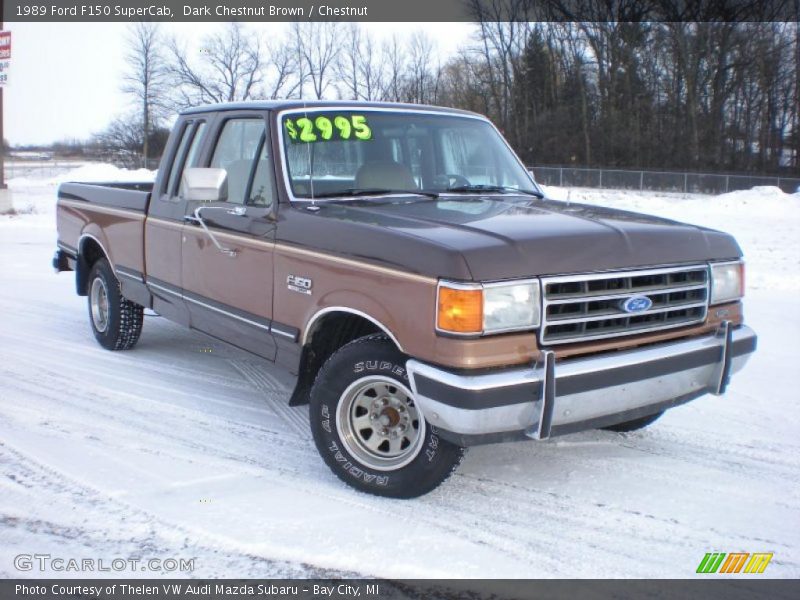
636 304
734 562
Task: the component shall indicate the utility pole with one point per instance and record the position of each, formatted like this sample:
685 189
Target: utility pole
2 139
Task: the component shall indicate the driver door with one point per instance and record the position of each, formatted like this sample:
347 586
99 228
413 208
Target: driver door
228 285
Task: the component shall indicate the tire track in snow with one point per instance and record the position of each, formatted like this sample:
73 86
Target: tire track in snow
520 523
138 380
521 542
129 360
276 396
276 470
162 536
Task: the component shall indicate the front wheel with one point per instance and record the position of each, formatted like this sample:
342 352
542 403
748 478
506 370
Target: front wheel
368 428
116 321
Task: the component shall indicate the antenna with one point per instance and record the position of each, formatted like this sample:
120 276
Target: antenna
310 162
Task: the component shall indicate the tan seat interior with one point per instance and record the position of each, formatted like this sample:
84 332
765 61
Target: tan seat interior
385 175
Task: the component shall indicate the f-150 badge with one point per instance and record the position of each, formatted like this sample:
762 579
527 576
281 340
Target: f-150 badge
299 284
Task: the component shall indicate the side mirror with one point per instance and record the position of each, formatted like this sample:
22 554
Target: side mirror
204 185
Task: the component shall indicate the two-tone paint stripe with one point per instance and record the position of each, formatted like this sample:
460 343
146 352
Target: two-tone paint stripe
225 310
67 249
284 248
127 273
119 212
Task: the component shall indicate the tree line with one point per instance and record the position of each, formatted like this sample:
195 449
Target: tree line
680 95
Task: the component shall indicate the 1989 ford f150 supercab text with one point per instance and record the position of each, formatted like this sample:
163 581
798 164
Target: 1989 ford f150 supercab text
402 263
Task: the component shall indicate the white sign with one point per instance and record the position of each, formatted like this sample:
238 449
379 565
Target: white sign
5 56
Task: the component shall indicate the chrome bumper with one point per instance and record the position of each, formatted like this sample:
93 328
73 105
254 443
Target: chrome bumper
577 394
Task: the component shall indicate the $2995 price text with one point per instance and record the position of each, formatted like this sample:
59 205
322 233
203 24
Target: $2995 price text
328 128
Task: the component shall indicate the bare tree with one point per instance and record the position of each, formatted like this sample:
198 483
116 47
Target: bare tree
348 64
360 66
423 72
229 68
504 30
317 46
123 134
372 68
283 78
145 78
396 66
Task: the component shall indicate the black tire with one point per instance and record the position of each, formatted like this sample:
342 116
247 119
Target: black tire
421 461
122 323
635 424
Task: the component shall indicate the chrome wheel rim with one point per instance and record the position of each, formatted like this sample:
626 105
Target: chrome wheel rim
98 301
379 423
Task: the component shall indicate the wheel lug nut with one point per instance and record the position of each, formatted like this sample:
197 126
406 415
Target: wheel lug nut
384 431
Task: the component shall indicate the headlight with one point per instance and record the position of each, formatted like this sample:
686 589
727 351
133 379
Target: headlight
488 308
513 306
727 282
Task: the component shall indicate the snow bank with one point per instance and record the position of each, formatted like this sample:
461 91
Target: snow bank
32 195
764 220
761 194
98 172
90 172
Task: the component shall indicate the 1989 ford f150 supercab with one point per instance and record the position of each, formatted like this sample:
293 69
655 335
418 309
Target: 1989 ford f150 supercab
402 263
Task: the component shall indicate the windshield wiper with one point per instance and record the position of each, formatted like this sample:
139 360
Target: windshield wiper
353 192
503 189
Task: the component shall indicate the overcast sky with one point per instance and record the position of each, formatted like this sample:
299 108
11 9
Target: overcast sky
65 78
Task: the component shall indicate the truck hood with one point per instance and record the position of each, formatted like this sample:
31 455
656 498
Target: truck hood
502 237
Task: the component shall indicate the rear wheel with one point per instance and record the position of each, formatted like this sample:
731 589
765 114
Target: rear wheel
635 424
368 428
116 321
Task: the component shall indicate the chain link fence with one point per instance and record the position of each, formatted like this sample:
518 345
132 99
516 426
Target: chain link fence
46 169
619 179
665 181
42 169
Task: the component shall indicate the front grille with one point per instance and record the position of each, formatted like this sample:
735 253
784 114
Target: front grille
587 307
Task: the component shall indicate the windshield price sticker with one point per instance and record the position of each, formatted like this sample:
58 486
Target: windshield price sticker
306 130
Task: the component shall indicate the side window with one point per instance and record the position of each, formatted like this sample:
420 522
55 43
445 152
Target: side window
194 149
261 191
176 169
236 150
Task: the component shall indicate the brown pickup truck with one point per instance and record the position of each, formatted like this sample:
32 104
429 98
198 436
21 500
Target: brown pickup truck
402 263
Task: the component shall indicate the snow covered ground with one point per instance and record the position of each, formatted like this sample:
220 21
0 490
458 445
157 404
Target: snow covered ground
185 447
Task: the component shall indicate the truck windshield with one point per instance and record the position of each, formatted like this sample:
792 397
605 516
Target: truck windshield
339 153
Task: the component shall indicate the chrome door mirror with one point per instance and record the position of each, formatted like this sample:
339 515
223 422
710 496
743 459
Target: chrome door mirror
204 185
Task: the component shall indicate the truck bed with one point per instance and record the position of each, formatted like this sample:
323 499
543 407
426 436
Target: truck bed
110 216
125 195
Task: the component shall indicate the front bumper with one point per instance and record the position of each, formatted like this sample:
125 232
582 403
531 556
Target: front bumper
576 394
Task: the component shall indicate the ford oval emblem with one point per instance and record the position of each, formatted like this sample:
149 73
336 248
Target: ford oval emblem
636 304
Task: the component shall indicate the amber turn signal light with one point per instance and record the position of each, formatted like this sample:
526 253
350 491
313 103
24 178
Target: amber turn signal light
460 311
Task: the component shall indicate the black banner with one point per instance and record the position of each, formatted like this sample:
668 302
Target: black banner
399 10
746 588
